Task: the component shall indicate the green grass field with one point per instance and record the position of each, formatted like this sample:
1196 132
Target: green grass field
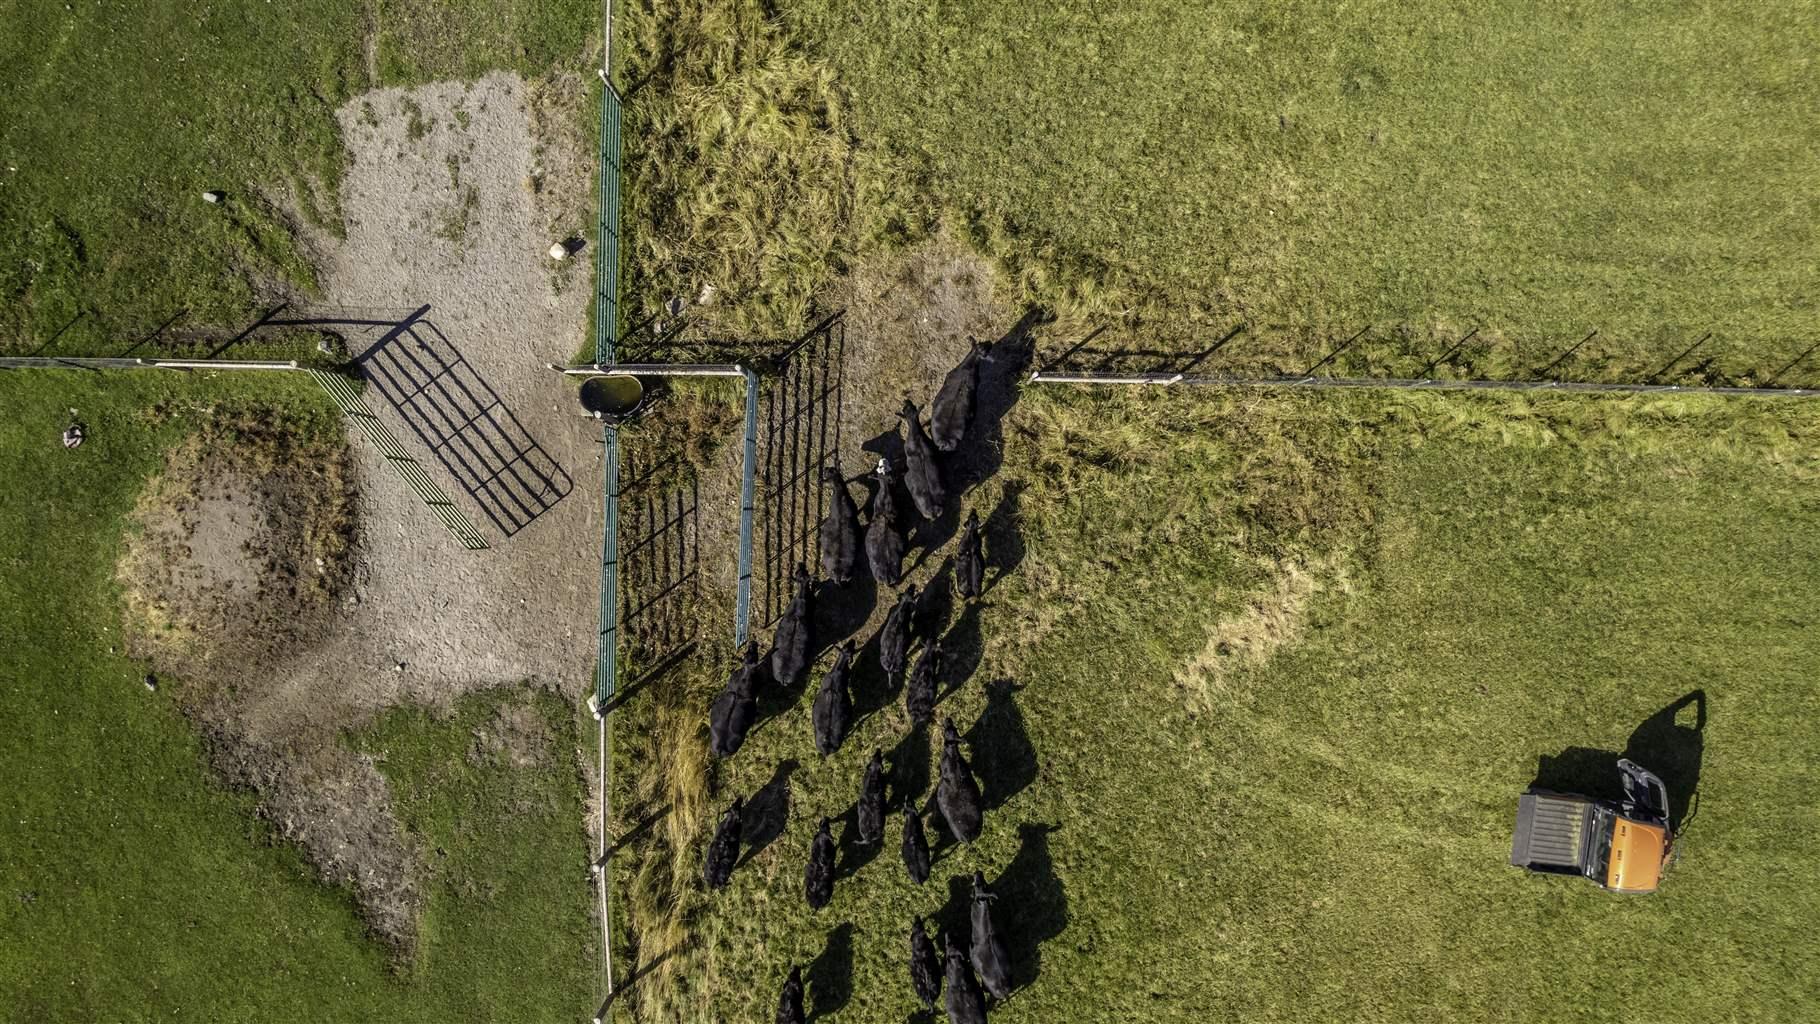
134 886
1285 665
1534 170
119 119
1280 667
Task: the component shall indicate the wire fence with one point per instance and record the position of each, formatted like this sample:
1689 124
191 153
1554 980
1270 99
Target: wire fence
1402 356
802 426
661 565
1361 383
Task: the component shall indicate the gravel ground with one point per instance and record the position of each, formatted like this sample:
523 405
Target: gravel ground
449 203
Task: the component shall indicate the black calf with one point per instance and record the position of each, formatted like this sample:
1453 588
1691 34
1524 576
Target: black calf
915 847
723 850
989 956
839 530
894 637
970 564
919 696
871 811
734 711
922 474
925 965
952 410
958 795
790 656
834 704
790 1003
966 1003
818 877
884 532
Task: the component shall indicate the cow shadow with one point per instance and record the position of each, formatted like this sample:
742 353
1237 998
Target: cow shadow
930 535
962 649
853 854
1001 377
872 692
774 698
910 775
952 917
1670 743
767 811
840 610
1004 542
935 602
830 975
1003 757
1032 904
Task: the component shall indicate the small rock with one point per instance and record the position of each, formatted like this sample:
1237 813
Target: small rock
212 196
151 682
398 667
559 251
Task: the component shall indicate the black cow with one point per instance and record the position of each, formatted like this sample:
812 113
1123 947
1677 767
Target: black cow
989 956
952 410
925 965
958 795
818 877
834 704
790 1004
885 547
723 849
871 810
966 1003
970 564
894 637
919 696
790 656
922 473
915 847
734 711
840 529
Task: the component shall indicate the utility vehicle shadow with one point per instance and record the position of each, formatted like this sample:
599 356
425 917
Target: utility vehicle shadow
1670 743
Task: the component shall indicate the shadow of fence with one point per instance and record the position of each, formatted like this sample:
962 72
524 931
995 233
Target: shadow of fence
659 557
799 432
1401 353
454 411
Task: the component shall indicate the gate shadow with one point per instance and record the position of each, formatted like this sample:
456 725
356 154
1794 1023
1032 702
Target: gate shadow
463 421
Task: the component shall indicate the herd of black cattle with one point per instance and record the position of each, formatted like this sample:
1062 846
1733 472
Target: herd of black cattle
984 959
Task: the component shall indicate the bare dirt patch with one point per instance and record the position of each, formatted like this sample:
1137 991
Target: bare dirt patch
909 315
237 550
1272 619
451 199
516 735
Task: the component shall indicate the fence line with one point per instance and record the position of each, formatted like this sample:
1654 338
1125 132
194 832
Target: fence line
1363 383
606 328
125 363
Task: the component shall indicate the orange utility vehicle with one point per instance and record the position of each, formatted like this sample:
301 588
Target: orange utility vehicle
1621 846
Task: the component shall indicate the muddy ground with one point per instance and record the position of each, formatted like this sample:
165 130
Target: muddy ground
452 196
